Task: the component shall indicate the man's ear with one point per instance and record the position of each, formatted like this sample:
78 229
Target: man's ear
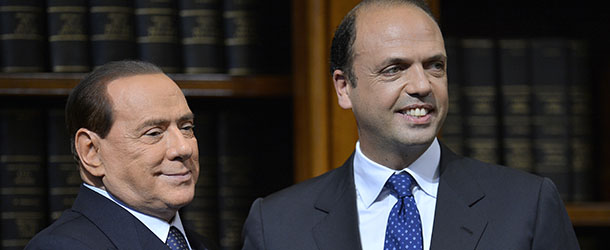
343 89
87 144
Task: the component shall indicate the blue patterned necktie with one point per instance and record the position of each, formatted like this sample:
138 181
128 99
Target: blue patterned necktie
404 225
175 240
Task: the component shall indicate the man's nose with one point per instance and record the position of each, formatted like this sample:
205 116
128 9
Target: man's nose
179 145
417 84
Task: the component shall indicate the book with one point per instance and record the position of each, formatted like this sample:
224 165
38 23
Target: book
452 133
201 36
275 23
68 35
157 34
480 99
22 178
111 28
202 213
237 170
22 36
516 103
581 110
549 108
254 159
242 36
63 176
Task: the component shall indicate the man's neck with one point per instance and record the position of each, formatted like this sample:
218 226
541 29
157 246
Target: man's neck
392 156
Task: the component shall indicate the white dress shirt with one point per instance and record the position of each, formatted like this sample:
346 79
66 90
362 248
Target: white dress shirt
375 202
158 226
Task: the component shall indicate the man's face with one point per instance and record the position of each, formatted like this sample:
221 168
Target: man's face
401 94
150 156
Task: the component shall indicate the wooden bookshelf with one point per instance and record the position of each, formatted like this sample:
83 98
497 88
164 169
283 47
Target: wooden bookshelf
596 214
213 85
324 134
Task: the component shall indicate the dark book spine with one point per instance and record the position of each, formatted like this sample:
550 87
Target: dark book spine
22 36
63 177
452 133
549 112
480 100
580 101
254 151
68 35
202 213
242 33
111 31
516 104
201 36
157 34
237 168
22 183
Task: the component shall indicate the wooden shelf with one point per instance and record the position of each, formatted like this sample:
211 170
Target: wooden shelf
196 85
595 214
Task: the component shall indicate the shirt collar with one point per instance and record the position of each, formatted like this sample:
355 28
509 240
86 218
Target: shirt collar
158 226
370 177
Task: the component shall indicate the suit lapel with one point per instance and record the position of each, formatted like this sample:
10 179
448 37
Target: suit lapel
122 228
339 228
457 223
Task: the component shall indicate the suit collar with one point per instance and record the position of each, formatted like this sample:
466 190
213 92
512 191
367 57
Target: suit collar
339 228
457 222
122 228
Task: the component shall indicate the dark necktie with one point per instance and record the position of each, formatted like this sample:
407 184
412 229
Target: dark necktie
404 224
175 240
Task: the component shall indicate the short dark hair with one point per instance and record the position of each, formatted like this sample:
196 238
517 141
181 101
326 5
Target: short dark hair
88 105
341 50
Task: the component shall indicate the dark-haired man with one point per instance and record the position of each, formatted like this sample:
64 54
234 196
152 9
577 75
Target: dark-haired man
132 135
402 188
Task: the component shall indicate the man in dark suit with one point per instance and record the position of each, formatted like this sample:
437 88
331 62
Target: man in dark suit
132 135
402 188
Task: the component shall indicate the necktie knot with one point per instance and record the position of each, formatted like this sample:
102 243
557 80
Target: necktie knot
175 240
400 184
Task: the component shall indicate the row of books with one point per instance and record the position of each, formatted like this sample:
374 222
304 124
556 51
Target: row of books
245 152
237 37
525 103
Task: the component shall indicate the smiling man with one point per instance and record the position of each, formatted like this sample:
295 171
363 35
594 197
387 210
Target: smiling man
402 188
132 136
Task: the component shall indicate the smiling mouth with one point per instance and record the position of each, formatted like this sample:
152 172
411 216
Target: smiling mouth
415 112
180 177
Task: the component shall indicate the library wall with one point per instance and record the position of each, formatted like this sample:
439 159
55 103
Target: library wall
232 59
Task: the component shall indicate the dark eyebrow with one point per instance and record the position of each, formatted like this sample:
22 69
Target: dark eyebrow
400 60
439 57
187 117
392 61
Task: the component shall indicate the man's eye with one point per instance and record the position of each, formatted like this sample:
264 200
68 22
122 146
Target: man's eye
153 133
188 127
391 70
438 65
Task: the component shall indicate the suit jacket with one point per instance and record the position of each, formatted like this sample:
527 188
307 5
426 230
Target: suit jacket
94 222
479 206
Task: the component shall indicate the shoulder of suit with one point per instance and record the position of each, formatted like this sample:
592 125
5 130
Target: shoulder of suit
308 188
492 173
71 229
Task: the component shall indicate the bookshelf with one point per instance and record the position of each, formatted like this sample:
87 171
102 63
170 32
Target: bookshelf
323 134
193 85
